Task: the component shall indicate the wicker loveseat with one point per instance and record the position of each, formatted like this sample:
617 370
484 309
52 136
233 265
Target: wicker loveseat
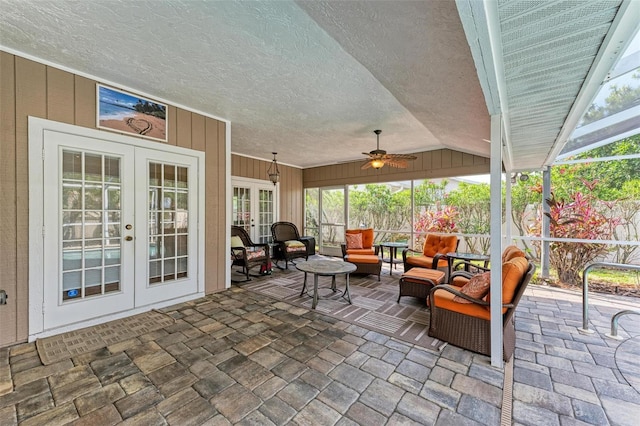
468 325
433 254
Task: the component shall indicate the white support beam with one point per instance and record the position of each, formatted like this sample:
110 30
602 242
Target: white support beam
495 37
496 240
546 223
508 206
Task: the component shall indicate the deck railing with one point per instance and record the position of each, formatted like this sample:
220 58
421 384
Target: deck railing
585 290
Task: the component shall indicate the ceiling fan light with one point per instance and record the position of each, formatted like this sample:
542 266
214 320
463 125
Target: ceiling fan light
377 164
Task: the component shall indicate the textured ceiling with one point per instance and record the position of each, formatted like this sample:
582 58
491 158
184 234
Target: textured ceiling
311 80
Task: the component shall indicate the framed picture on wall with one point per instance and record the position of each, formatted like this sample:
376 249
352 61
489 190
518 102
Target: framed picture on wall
127 113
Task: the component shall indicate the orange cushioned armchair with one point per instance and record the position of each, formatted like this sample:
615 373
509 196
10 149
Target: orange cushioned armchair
434 252
359 241
360 251
464 320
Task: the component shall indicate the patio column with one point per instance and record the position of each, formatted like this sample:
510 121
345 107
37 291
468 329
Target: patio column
546 223
496 239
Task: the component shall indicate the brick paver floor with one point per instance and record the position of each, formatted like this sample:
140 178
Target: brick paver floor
237 357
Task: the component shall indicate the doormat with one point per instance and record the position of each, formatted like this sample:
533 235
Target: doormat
374 303
66 345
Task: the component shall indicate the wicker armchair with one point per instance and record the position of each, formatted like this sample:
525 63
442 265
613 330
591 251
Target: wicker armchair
249 254
433 254
468 325
289 245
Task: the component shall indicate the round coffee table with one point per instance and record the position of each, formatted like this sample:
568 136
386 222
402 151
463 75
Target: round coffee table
325 268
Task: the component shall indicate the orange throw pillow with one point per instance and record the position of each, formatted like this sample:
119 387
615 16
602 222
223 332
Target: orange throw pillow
477 287
354 241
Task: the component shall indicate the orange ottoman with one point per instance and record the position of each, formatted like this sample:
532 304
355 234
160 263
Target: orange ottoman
365 263
418 282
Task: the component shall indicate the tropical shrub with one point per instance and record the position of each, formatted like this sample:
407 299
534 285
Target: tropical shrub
577 218
442 220
473 203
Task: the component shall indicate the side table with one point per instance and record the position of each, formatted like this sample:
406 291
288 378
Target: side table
393 251
467 257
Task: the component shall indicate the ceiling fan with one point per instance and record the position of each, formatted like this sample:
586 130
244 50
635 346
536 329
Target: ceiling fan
379 157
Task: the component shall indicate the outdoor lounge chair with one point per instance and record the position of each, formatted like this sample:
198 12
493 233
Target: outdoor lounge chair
246 253
468 325
289 245
433 254
359 241
360 251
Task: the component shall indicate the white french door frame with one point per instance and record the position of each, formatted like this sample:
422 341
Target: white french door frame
255 185
37 180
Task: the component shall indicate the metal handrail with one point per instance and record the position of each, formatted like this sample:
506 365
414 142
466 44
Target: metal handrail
585 288
614 322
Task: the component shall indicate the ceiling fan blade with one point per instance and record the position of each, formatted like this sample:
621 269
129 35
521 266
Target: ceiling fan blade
402 156
398 163
366 165
393 160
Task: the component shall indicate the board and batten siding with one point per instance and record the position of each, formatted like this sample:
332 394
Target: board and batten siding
440 163
29 88
291 204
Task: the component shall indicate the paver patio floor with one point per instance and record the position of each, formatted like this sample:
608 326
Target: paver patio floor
237 357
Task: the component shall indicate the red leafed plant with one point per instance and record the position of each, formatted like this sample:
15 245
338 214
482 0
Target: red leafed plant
442 220
576 218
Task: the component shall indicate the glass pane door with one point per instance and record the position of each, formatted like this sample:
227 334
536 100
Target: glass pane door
167 226
91 225
168 222
120 228
332 221
88 252
266 215
241 205
253 207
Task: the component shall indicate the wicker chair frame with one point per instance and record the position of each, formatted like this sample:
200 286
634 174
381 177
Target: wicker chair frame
417 288
239 254
473 333
367 268
287 231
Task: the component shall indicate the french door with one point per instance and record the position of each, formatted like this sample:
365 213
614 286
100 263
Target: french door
119 227
254 207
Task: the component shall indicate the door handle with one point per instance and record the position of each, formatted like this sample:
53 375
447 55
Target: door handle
128 238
